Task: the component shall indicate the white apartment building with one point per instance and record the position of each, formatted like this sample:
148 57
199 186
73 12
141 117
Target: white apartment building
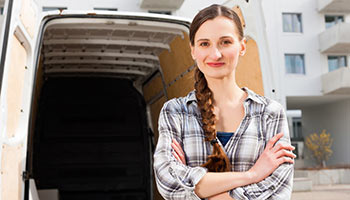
306 52
310 44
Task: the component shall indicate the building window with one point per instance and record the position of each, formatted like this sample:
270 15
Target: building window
292 22
295 63
54 8
297 133
160 12
336 62
1 10
109 9
333 20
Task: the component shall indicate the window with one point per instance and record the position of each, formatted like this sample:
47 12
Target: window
297 133
336 62
1 10
160 12
333 20
54 8
292 22
295 63
109 9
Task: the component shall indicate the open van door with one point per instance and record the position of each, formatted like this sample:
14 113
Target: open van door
17 66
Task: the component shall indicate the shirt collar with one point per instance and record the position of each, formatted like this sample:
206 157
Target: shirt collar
251 95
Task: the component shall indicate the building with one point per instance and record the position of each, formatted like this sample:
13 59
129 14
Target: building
310 44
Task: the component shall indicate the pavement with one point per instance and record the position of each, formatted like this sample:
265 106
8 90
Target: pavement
324 192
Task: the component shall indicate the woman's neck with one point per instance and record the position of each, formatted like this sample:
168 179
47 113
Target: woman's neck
226 90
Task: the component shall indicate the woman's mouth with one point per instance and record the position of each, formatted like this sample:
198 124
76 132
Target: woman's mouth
215 64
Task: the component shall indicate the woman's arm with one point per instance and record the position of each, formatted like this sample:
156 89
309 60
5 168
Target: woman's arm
214 183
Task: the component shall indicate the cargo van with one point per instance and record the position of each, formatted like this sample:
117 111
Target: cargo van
80 98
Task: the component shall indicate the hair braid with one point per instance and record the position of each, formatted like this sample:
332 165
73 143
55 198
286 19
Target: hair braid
217 161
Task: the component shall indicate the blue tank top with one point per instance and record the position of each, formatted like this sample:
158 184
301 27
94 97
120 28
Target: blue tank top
224 137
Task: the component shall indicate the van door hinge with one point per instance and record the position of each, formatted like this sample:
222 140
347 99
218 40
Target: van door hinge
26 176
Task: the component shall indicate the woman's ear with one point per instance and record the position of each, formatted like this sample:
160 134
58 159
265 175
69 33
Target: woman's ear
243 45
192 52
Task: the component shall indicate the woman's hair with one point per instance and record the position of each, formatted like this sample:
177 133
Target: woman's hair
218 160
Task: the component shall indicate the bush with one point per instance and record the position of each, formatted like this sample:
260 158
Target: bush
320 146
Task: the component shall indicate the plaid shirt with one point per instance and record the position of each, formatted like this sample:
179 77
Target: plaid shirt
181 119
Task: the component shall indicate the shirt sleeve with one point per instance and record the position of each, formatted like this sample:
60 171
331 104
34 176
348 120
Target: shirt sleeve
174 180
278 185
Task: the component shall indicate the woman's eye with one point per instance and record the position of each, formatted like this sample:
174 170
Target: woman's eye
226 42
204 44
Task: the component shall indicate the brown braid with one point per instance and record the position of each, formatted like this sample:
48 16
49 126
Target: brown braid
217 161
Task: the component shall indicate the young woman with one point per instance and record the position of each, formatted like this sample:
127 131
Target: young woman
222 141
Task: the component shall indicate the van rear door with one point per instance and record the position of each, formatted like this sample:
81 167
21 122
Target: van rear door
17 64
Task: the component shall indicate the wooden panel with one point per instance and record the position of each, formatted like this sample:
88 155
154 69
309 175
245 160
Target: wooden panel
11 162
238 11
155 110
28 16
176 61
15 86
248 72
154 87
182 87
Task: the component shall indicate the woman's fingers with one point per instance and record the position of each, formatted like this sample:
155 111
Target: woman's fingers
178 152
178 146
273 140
282 160
286 153
281 146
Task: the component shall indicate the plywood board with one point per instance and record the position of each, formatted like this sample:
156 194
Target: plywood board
182 86
178 60
28 16
153 88
238 11
15 86
155 110
11 179
248 73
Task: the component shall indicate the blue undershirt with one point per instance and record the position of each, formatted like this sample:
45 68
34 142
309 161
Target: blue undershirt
224 137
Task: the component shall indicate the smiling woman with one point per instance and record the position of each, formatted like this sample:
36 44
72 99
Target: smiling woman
254 159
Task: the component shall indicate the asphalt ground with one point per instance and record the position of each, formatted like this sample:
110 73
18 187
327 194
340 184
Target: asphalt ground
324 192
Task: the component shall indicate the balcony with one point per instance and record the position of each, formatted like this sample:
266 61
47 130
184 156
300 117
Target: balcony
161 5
336 39
337 81
334 6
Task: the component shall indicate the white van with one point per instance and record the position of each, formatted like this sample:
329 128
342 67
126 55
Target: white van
80 98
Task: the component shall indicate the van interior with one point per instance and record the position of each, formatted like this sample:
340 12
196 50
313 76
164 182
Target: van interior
91 131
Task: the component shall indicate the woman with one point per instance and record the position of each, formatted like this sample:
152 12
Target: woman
220 141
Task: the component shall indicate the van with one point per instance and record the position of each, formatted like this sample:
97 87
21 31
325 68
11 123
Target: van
81 94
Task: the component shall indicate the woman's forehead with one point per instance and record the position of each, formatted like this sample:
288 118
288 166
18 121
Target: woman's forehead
217 28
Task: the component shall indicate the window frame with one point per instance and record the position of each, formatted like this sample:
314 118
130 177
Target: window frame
301 22
338 61
294 54
336 17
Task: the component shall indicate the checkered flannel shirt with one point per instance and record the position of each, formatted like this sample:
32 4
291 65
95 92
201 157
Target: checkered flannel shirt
180 119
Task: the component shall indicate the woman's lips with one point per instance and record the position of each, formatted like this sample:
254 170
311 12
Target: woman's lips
215 64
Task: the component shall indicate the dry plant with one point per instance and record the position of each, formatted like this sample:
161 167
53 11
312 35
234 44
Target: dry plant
320 146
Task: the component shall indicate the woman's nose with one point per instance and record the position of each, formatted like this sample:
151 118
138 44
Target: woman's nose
215 53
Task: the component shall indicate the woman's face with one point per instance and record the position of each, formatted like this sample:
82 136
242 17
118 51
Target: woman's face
217 48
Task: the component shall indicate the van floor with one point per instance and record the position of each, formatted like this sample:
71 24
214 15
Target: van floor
91 140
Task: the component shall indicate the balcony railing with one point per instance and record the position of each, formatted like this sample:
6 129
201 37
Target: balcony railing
336 39
334 6
337 81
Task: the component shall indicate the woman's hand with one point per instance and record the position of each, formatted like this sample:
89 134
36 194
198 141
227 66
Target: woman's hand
271 158
178 152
